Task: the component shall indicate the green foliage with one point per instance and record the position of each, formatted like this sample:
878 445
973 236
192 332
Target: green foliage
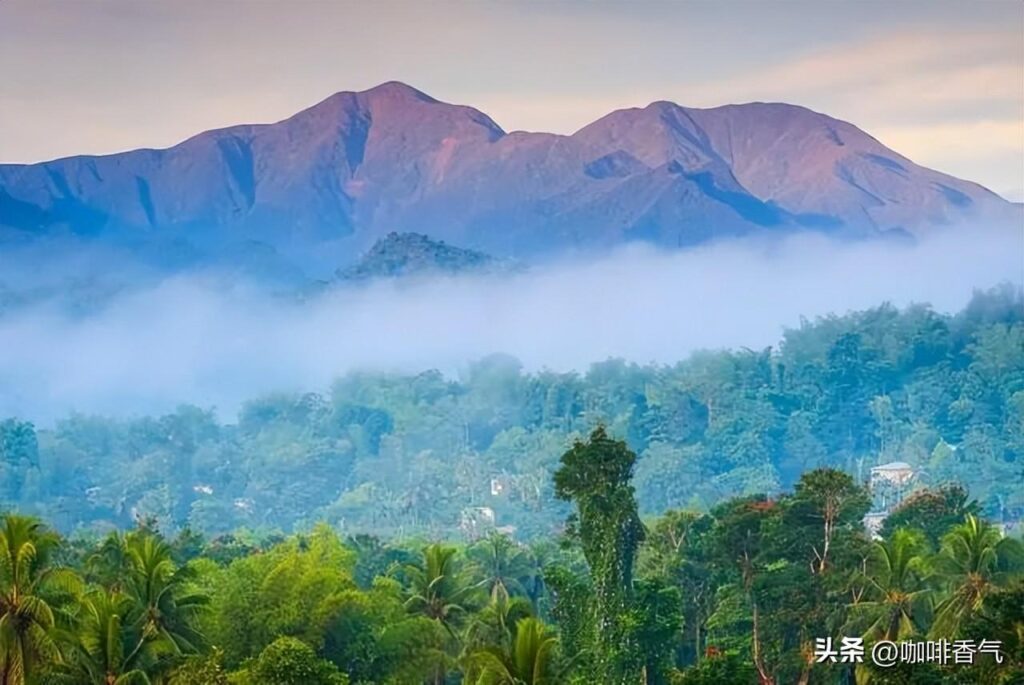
932 511
401 455
281 592
207 669
440 588
748 469
973 562
897 599
596 476
722 669
28 585
288 661
734 596
530 658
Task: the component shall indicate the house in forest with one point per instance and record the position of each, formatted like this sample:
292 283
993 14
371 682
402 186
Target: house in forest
889 484
475 522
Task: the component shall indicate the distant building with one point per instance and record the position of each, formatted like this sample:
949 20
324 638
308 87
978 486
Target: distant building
889 485
475 522
873 523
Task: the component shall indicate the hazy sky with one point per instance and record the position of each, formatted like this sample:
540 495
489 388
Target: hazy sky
943 83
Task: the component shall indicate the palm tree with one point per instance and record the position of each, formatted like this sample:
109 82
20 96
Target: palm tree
495 623
895 580
531 659
502 563
30 590
974 561
439 588
168 611
104 651
108 564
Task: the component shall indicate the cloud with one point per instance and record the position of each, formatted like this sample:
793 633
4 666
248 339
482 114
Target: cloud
987 149
950 100
954 68
206 341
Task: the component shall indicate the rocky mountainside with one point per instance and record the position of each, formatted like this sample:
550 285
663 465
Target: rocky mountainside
358 166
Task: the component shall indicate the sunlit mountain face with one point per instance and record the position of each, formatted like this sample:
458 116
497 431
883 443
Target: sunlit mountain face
316 190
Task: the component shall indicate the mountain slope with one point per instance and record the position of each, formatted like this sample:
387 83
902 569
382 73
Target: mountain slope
358 166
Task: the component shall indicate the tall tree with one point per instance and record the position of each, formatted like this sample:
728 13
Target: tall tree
29 586
897 593
826 499
595 475
739 540
169 608
677 550
974 561
442 590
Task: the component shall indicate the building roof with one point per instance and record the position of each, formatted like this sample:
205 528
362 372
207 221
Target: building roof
893 466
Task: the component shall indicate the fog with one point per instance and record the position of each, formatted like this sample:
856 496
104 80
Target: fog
217 342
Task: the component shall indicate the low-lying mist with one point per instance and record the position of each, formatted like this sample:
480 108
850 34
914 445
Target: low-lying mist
216 342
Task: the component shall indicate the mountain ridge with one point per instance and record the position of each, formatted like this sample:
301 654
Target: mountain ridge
356 166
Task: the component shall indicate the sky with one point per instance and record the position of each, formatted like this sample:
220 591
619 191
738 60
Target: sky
940 82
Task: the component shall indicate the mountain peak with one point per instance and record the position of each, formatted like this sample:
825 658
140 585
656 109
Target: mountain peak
396 89
392 158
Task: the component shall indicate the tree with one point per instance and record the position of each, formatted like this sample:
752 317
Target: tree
933 511
19 454
595 475
1000 618
288 661
502 563
169 609
439 587
677 549
655 628
898 595
109 644
495 624
207 669
441 590
829 499
282 591
973 562
29 587
719 669
531 659
738 541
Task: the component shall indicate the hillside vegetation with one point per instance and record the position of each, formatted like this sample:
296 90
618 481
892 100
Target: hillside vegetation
406 455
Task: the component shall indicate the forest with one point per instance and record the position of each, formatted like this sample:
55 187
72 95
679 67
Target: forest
687 524
399 455
738 595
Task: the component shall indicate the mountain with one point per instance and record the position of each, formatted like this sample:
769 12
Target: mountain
407 254
328 182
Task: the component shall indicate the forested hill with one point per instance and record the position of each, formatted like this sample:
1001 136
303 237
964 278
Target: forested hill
409 254
410 455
